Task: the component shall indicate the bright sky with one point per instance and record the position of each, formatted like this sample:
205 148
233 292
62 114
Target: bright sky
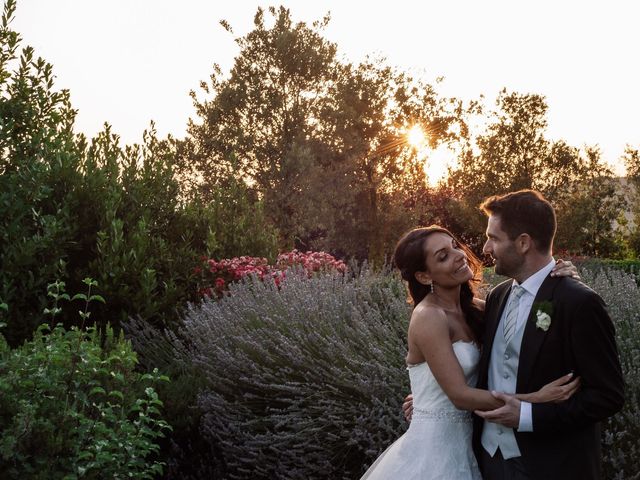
127 62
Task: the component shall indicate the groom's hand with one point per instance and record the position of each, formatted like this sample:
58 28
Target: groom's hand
407 407
507 415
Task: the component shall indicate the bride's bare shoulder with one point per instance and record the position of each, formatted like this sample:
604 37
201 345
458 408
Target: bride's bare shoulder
427 309
426 314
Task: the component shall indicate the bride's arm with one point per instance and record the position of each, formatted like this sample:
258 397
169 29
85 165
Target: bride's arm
429 333
557 391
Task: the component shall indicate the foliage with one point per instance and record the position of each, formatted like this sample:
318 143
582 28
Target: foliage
321 141
34 227
513 153
631 159
587 210
233 221
188 455
72 404
72 208
598 264
257 122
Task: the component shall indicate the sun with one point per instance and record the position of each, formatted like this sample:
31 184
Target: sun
437 163
416 137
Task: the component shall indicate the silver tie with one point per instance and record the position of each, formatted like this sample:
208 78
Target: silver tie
511 316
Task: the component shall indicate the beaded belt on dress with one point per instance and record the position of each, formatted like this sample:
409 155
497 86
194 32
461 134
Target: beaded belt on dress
450 415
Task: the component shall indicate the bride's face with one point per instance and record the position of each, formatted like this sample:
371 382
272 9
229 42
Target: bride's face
446 263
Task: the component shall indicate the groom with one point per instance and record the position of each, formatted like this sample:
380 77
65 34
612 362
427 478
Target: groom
539 328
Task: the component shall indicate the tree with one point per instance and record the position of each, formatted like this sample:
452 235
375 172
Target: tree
513 153
321 142
587 211
260 119
73 208
373 107
36 148
631 159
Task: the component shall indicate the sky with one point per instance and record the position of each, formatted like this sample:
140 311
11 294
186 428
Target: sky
127 62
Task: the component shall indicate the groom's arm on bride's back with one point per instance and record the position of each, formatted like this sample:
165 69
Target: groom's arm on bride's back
594 354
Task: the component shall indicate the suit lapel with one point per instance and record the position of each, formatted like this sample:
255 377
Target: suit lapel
533 336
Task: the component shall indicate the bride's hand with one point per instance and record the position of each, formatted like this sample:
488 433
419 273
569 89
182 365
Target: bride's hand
557 391
407 408
564 268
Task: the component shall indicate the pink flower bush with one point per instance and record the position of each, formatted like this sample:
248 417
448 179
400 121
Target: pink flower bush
216 275
311 261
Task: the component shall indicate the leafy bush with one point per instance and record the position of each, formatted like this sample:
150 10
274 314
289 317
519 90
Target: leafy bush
72 405
234 218
188 455
73 208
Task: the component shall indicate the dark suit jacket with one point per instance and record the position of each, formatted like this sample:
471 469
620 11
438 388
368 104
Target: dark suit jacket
565 442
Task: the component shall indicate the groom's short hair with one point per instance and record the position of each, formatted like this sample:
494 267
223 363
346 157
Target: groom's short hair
524 211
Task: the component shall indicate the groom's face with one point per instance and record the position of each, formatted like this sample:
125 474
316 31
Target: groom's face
502 249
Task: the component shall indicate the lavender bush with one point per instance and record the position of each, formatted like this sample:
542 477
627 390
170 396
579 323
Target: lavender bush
301 381
621 441
306 380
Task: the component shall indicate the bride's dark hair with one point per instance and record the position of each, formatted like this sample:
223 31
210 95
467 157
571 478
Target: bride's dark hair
410 257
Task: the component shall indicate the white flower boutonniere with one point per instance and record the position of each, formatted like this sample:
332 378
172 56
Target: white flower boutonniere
543 320
543 315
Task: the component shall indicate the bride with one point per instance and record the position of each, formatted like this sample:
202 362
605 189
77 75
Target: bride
442 360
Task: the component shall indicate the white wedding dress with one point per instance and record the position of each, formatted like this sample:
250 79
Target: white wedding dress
437 445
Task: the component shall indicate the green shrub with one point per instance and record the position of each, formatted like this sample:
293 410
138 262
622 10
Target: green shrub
72 208
72 404
188 455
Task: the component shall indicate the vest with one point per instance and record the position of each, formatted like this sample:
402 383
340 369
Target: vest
503 375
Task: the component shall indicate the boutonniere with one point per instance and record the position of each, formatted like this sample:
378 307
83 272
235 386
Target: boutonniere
543 315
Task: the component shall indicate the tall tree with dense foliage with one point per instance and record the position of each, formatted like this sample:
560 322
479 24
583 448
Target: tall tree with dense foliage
587 209
374 106
631 159
259 122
